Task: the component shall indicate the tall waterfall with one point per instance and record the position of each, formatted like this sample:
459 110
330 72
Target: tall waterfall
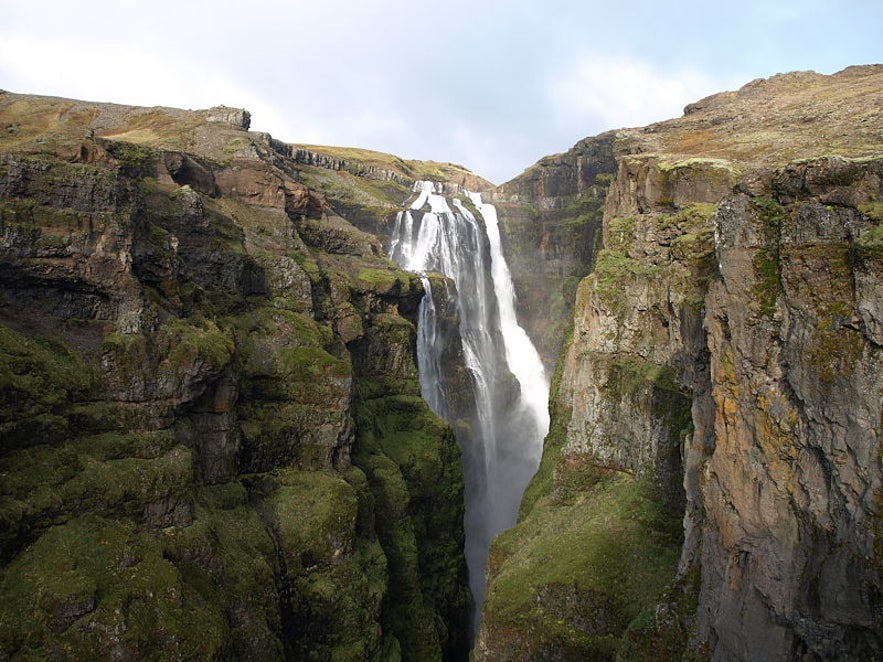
502 445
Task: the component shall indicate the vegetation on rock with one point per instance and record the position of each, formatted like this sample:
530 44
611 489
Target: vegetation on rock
723 368
211 440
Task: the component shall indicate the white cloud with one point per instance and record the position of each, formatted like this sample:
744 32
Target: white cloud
605 93
493 85
134 73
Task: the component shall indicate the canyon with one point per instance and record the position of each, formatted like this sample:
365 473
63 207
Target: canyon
217 438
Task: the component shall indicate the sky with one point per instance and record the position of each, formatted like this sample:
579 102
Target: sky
492 85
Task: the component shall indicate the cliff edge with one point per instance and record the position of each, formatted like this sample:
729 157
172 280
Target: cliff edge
711 486
212 441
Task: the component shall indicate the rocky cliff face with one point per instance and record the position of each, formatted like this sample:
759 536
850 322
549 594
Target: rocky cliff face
551 221
212 442
711 485
792 446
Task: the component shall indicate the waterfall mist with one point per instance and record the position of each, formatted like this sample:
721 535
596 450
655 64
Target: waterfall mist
502 429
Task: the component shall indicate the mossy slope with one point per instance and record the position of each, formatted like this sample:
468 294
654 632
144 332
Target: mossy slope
211 444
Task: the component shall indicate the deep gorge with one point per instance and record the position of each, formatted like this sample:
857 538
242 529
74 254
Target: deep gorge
222 435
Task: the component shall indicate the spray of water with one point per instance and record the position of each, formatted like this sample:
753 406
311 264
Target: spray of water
510 391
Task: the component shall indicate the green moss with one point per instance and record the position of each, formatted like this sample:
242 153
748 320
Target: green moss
236 147
413 468
620 234
664 631
873 210
570 578
127 352
39 372
286 326
190 344
225 233
722 167
402 426
178 352
99 416
408 614
306 365
68 480
315 516
582 216
336 578
869 244
227 556
135 161
111 485
767 265
308 264
334 611
292 389
614 271
631 374
593 548
691 219
39 379
834 350
386 280
19 212
95 584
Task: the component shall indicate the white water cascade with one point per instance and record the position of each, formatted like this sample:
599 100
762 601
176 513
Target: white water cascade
501 447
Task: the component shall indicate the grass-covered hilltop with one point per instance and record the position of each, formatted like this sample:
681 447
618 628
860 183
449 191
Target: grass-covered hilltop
212 440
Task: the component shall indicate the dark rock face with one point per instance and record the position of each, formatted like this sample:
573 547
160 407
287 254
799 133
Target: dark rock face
550 219
796 402
212 443
722 379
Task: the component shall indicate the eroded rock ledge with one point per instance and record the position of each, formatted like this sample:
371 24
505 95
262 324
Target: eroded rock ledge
711 485
212 441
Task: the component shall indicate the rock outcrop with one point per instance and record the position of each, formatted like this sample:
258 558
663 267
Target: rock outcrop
551 224
711 485
212 441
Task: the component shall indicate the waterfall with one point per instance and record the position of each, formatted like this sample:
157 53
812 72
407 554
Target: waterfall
502 442
428 361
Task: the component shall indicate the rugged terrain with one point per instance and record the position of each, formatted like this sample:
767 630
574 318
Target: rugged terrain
212 444
711 485
212 441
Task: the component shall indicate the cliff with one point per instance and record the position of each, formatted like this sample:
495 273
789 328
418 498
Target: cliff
551 224
369 187
711 485
212 444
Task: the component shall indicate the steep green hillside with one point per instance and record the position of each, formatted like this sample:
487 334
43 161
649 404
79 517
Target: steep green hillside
212 444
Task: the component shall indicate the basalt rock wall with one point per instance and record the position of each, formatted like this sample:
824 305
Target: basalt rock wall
550 218
212 441
710 487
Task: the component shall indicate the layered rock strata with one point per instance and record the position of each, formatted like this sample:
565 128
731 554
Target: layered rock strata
710 488
212 441
551 224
